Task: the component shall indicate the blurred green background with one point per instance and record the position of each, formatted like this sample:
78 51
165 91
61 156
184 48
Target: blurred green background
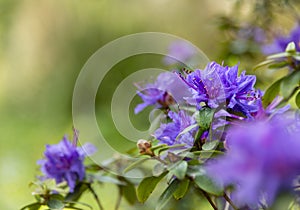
43 46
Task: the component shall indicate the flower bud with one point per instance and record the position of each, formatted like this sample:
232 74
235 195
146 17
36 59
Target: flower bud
145 147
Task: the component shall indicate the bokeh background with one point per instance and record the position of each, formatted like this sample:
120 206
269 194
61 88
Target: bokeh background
43 46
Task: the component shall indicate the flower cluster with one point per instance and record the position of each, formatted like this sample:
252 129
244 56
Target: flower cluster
164 92
217 85
168 133
261 143
64 162
263 157
214 87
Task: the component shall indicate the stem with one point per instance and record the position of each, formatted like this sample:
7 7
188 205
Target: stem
209 199
160 160
119 199
230 202
96 197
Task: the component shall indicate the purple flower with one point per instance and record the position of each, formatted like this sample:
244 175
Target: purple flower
165 91
64 162
271 108
168 133
281 42
179 52
250 32
262 159
217 85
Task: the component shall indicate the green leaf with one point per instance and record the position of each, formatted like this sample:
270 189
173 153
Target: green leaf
170 147
129 193
181 189
278 65
78 191
264 63
297 99
135 164
297 56
289 83
93 167
271 93
108 179
57 197
167 194
147 186
32 206
207 184
279 55
187 129
204 117
158 169
70 205
291 47
210 145
179 169
55 204
209 153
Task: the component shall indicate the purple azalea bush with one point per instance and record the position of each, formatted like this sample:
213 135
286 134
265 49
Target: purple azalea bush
219 137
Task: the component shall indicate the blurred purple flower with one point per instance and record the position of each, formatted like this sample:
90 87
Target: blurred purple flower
179 52
280 42
217 85
262 159
165 91
250 32
271 108
64 161
168 133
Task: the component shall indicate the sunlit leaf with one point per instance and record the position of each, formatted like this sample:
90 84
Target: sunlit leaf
147 186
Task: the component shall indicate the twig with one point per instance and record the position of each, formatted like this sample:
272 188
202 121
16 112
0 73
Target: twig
96 197
209 199
230 202
159 159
